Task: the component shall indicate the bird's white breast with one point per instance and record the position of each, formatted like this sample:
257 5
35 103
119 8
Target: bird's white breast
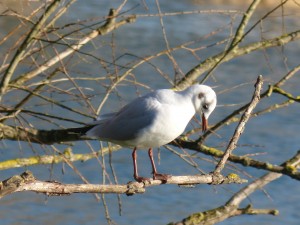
170 120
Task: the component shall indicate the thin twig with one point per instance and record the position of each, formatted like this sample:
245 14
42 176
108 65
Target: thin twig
240 35
290 74
109 26
22 49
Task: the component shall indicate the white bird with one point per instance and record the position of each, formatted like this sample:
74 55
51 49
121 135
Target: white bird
153 120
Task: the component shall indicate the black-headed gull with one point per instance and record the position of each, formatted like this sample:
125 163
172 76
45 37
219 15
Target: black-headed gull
153 120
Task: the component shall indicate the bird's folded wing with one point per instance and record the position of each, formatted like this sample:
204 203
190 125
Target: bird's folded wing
128 122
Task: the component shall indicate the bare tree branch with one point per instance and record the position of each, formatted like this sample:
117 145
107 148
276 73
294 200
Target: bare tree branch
110 25
209 63
294 162
243 160
22 49
27 182
213 216
55 159
231 118
240 30
231 209
240 128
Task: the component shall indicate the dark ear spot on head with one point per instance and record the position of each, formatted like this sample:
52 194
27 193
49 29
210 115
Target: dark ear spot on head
200 95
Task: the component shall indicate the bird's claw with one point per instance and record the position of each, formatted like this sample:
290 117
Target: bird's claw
142 179
156 176
162 177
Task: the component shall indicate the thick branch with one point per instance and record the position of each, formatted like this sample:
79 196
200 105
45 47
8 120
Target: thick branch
27 182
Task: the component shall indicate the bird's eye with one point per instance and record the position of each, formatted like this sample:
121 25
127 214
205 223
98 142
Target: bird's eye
200 95
205 106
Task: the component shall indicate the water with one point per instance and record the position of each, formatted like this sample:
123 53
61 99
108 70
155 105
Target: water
273 135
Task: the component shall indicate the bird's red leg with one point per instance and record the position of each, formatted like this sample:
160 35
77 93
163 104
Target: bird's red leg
135 169
157 176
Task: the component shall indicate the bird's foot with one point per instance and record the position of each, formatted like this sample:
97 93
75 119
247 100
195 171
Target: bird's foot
162 177
156 176
141 179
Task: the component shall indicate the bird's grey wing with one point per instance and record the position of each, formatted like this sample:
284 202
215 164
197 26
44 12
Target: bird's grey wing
128 122
101 119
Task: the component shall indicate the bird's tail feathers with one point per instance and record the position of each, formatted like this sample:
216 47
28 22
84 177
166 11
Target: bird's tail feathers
81 131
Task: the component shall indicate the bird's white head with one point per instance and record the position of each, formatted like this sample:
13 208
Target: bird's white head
204 100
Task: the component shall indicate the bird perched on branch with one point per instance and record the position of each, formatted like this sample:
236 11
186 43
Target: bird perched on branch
153 120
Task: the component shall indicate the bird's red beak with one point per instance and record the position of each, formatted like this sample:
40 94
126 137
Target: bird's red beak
204 123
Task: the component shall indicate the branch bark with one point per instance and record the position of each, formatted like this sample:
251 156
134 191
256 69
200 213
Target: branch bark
22 49
110 25
209 63
240 31
67 154
243 160
27 182
240 128
231 209
236 199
